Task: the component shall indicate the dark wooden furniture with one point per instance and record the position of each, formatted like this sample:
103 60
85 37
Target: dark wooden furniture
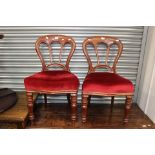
16 114
107 83
8 98
53 81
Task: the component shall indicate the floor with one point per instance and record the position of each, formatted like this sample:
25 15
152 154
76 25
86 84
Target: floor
57 116
99 117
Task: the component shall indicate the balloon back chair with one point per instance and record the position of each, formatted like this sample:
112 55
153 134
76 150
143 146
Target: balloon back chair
53 81
107 83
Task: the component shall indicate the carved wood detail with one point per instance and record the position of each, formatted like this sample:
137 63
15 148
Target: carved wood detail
30 105
48 40
128 104
108 41
84 107
73 99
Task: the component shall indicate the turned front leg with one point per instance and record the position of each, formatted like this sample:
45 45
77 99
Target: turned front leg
84 107
73 98
30 105
128 104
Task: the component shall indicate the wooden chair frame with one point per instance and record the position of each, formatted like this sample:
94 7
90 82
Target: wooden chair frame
108 41
71 95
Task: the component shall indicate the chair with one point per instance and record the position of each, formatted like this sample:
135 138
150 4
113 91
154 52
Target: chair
53 81
107 83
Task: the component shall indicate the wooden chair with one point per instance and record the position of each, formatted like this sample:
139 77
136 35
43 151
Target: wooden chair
107 83
53 81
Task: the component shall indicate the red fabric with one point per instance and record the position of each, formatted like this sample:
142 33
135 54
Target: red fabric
52 81
104 82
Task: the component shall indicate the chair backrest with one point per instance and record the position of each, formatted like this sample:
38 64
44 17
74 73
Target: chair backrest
108 42
49 40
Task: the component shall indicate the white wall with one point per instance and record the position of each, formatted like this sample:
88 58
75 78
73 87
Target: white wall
146 95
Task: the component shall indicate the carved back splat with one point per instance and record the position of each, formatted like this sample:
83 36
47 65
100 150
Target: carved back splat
50 39
108 41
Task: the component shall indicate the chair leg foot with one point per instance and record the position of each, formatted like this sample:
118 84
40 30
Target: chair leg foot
84 107
73 98
128 104
30 106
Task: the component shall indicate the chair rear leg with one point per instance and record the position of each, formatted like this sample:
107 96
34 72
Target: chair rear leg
89 99
45 99
84 107
30 106
112 103
128 104
68 98
73 98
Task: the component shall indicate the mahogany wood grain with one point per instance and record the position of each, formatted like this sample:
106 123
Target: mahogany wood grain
49 40
30 105
85 99
73 99
128 104
108 41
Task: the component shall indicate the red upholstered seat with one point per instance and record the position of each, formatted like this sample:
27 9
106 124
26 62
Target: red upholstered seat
52 81
105 82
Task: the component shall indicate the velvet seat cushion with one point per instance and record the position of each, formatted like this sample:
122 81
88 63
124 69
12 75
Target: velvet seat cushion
52 81
105 82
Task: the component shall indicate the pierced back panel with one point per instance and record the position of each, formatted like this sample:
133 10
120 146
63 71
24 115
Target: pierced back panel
49 41
109 43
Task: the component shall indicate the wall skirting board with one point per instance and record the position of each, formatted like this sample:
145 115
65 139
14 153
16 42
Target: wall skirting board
146 93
